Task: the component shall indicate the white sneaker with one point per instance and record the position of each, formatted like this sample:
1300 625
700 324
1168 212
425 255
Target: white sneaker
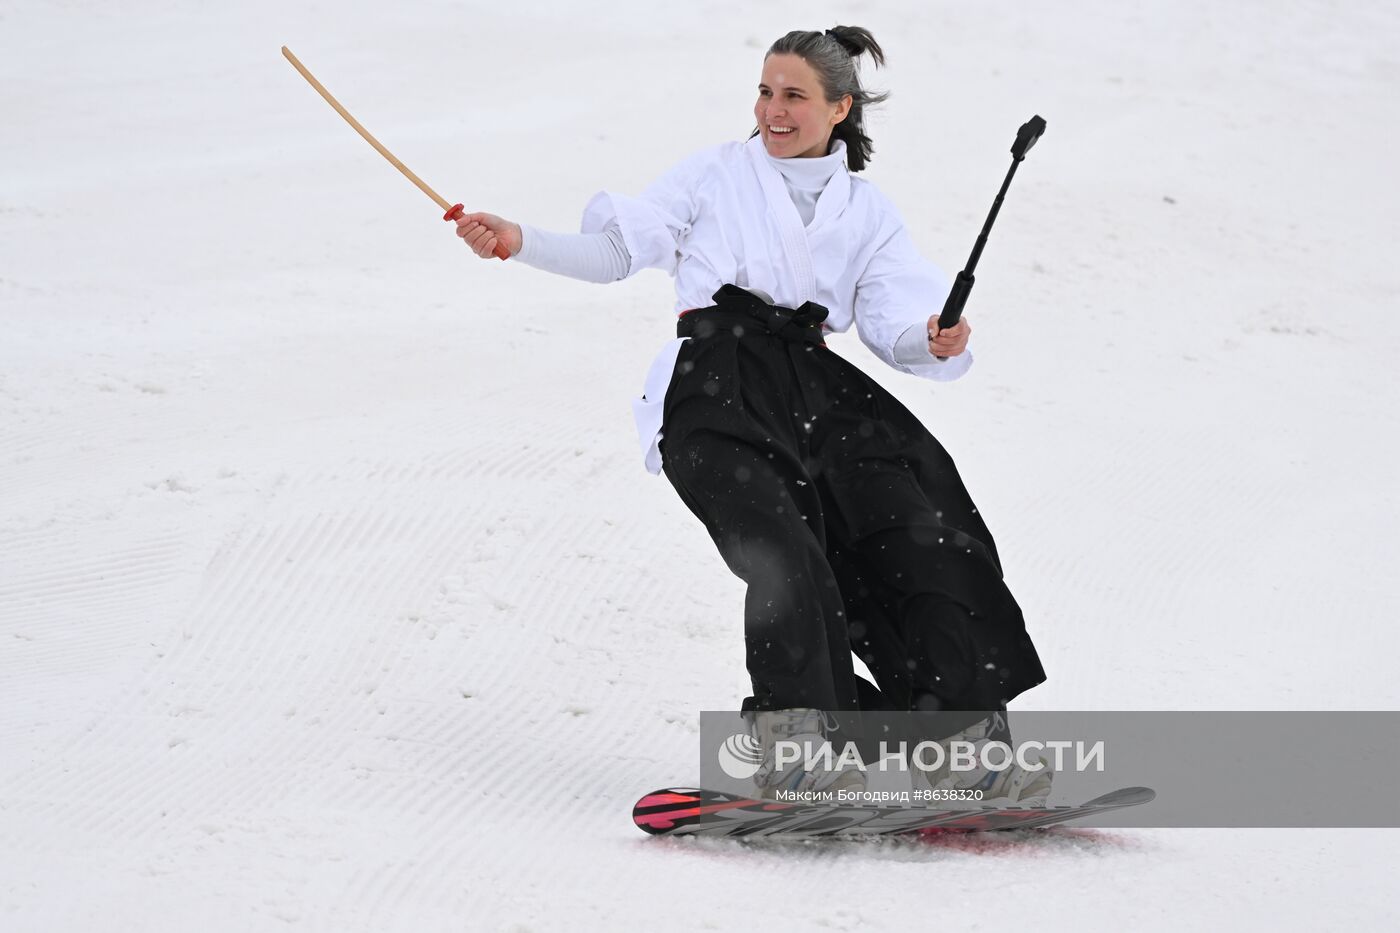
1013 786
808 728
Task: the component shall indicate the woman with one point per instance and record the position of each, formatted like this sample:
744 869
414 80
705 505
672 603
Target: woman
844 516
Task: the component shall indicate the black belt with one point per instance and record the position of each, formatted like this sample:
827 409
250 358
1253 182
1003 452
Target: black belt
740 312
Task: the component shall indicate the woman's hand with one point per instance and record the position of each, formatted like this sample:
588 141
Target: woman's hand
481 232
950 341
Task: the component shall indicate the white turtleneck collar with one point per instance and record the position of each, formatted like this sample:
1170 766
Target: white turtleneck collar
807 178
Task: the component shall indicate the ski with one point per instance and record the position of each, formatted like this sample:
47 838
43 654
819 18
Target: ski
694 812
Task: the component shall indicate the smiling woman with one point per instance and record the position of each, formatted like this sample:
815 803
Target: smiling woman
811 89
795 119
842 513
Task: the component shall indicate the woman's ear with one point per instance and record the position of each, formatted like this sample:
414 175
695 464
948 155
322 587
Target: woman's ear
843 109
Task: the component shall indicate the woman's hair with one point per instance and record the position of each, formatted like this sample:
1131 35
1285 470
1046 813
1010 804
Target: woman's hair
832 55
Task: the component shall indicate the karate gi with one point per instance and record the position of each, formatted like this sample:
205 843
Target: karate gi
845 517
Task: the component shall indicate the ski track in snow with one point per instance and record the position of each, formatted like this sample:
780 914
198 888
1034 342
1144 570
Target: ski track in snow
333 595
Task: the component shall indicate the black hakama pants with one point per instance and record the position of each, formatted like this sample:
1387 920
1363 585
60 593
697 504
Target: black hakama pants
843 514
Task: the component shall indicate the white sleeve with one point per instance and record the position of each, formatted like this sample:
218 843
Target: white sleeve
654 222
896 294
592 257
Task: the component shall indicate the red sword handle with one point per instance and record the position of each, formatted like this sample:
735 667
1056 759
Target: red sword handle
457 211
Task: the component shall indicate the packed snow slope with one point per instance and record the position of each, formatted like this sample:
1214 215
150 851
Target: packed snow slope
334 596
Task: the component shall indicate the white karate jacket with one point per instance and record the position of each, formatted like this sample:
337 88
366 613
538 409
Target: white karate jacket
724 215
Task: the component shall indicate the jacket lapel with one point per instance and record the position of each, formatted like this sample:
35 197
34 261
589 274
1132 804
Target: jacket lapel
785 215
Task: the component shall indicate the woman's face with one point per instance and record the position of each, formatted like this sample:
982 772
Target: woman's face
793 116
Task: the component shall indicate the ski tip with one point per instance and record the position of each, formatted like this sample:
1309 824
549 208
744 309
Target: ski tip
656 812
1125 797
670 808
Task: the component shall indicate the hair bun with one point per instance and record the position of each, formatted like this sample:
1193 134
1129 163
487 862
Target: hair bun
851 48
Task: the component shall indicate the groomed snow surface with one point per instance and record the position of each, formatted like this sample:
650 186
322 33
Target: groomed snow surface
333 595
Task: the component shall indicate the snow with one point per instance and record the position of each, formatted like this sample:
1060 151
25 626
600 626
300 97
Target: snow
334 596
